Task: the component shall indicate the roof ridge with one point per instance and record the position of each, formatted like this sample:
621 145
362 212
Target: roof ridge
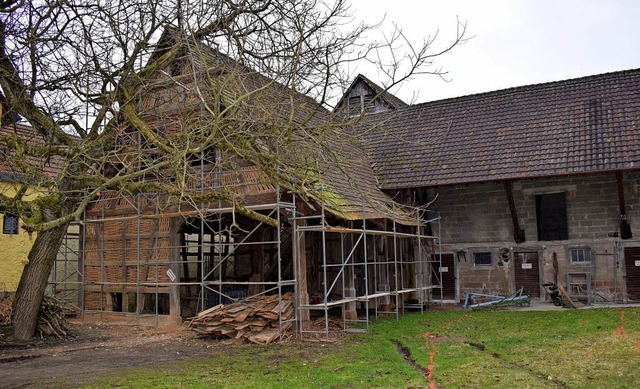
523 87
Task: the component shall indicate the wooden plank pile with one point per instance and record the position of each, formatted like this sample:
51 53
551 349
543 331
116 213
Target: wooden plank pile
254 319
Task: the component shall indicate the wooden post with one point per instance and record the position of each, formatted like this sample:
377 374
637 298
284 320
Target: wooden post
518 233
302 272
175 242
350 309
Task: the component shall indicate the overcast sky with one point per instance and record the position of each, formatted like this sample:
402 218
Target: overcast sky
517 42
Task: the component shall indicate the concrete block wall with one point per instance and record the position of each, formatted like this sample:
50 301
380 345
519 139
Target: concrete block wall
476 218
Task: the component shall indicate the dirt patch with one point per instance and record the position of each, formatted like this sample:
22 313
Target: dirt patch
478 346
97 349
440 339
406 354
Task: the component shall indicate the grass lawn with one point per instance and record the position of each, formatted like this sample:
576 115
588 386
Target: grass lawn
592 348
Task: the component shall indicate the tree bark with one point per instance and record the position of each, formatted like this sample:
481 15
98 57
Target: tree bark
34 282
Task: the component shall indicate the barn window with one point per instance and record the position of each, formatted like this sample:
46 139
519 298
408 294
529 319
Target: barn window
551 213
10 224
482 259
581 255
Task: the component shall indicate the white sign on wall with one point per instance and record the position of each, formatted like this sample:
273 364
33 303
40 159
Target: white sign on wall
172 275
444 269
637 263
527 266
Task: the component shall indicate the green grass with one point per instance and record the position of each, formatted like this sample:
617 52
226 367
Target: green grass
484 349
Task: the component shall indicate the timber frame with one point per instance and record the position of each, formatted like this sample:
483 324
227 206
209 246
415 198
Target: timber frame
133 267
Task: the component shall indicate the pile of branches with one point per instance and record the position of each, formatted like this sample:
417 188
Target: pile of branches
255 319
51 320
5 312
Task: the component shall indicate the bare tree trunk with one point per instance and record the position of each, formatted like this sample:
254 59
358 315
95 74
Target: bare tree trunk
34 282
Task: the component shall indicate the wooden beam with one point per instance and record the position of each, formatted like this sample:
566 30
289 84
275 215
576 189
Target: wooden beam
625 228
175 257
566 296
302 271
518 233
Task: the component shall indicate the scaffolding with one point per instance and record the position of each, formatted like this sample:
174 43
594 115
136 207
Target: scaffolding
149 265
131 261
372 269
66 278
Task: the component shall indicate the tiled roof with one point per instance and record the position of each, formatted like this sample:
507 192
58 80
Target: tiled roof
583 125
346 185
8 166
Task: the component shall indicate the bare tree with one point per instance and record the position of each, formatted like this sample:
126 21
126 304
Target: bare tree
90 77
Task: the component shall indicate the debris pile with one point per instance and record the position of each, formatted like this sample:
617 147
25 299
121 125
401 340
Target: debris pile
255 319
5 312
51 321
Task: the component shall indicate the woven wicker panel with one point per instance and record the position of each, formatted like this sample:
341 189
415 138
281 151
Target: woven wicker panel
92 273
125 202
91 253
91 231
91 257
161 274
94 301
114 273
106 203
146 226
113 228
113 256
132 274
163 224
147 253
231 178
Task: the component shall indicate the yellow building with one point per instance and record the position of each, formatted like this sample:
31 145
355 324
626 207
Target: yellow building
15 242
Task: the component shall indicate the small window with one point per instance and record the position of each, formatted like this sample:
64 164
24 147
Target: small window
11 224
582 255
551 212
482 259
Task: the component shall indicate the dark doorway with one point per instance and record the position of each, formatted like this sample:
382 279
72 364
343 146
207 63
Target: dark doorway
445 273
551 214
527 272
632 267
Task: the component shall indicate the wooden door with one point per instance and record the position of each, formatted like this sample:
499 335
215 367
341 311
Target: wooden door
446 274
527 272
632 267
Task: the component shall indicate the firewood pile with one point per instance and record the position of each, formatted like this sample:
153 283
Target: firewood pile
5 312
254 319
51 321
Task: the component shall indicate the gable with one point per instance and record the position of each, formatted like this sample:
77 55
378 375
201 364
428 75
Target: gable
320 162
363 95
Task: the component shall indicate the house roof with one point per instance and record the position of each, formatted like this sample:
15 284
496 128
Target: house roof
10 169
584 125
380 92
346 185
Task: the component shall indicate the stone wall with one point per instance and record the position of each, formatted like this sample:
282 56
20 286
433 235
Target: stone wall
476 219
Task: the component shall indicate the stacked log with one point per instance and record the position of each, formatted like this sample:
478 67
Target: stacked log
51 321
255 319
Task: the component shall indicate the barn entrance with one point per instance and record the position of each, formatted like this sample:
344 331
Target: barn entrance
227 257
632 267
444 272
527 273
